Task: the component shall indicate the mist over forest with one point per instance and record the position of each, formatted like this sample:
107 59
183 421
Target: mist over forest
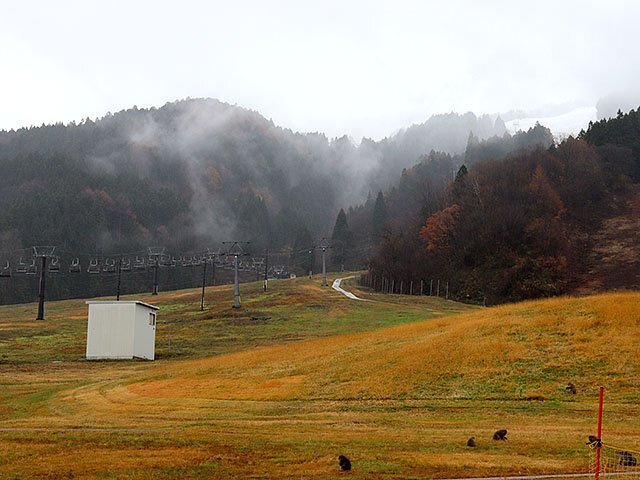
196 172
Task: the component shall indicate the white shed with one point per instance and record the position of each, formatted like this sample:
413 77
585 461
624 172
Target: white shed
121 330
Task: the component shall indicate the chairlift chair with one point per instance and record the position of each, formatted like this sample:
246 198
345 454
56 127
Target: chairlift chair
125 264
22 266
164 260
54 266
94 266
6 270
139 264
75 267
32 269
109 266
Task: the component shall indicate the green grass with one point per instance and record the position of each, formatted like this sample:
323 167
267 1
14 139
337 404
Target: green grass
291 310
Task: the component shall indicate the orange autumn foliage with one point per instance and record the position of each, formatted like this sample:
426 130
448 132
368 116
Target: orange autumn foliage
435 232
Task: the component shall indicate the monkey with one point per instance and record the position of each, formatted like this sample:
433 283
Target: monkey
571 388
594 441
627 459
471 442
345 463
500 435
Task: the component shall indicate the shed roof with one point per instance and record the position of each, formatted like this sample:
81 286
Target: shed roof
116 302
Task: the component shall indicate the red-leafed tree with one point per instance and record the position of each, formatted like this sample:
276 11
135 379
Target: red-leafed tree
438 227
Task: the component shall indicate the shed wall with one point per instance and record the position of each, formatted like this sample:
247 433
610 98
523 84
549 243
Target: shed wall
110 331
145 334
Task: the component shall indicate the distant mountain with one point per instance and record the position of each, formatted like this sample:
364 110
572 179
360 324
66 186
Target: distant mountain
195 172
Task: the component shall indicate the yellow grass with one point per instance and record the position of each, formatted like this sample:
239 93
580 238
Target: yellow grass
400 401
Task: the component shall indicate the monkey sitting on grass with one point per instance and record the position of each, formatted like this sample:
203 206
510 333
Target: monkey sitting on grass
500 435
627 459
345 463
471 442
594 441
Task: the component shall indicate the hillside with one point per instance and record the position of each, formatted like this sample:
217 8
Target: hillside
304 374
533 223
613 259
515 352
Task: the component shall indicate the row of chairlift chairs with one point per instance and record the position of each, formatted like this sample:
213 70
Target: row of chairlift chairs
139 263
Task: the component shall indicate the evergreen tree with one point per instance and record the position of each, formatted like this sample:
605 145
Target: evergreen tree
462 172
342 241
379 215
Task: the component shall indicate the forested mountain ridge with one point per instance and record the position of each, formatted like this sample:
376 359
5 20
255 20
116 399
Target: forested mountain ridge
195 172
538 222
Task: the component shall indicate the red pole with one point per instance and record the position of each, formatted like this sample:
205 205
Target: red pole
599 441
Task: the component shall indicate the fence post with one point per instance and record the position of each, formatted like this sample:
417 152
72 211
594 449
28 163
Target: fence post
599 441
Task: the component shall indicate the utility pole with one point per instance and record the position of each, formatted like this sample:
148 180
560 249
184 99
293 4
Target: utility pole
324 244
236 251
236 283
43 281
266 270
155 253
42 253
207 257
119 279
204 283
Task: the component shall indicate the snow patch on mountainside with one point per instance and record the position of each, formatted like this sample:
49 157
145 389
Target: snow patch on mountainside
561 126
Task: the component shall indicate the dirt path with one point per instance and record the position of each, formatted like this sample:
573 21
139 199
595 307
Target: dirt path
336 286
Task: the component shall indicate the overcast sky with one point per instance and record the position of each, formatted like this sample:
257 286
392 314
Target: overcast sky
360 68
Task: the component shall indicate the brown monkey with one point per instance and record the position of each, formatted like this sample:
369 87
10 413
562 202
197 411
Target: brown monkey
571 388
471 442
627 459
594 441
345 463
500 435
